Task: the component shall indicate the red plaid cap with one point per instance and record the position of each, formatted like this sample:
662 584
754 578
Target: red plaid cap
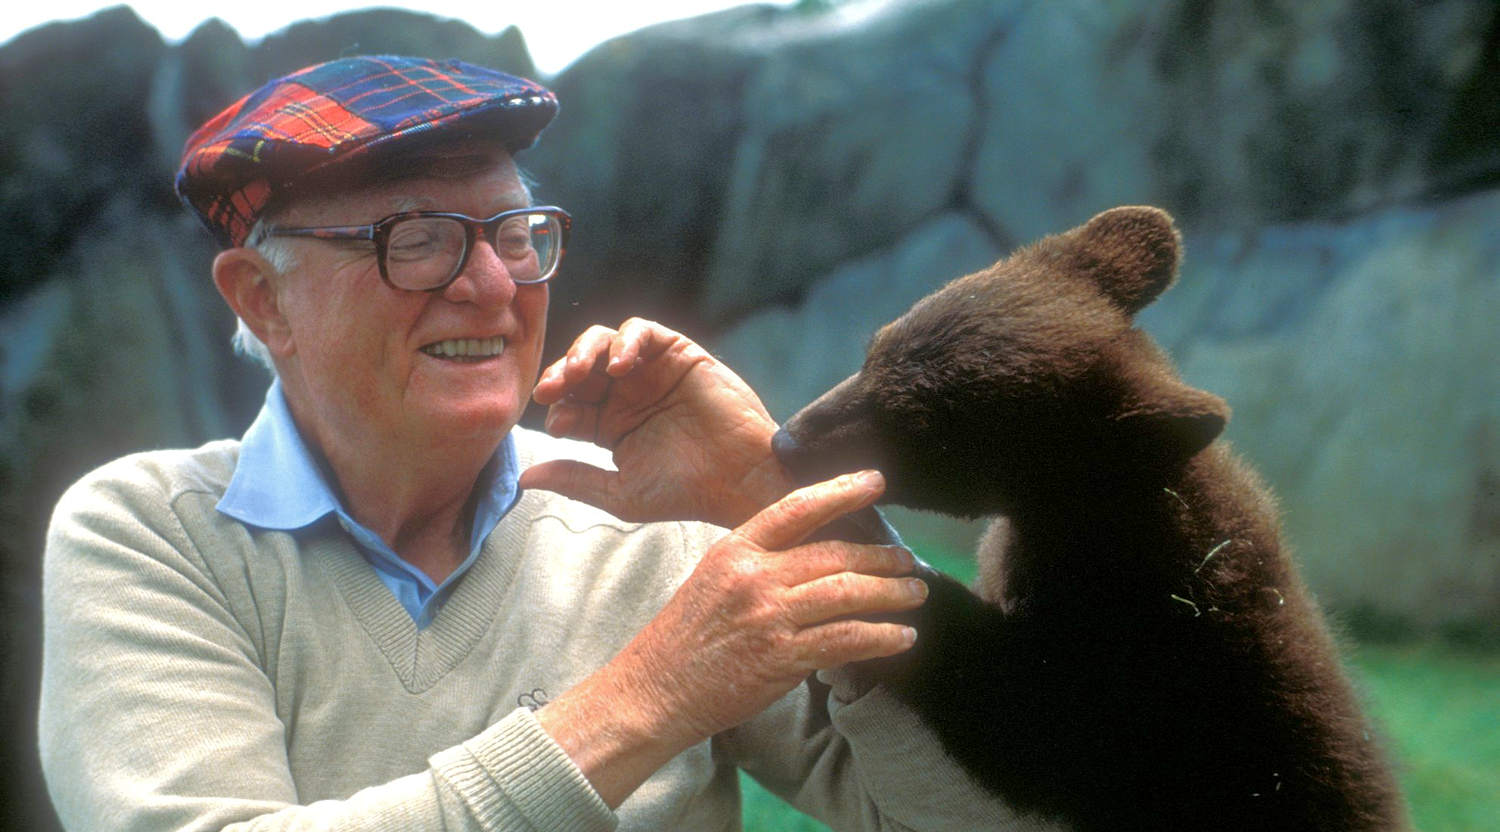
334 112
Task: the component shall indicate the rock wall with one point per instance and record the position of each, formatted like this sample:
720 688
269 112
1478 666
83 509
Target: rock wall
778 182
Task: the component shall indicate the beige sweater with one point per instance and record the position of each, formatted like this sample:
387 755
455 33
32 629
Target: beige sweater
201 674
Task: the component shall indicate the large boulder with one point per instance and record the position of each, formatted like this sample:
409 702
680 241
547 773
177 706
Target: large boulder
1232 115
1359 357
847 129
857 129
791 354
75 133
639 153
121 348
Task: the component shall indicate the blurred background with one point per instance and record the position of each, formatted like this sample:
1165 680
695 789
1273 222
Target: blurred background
777 180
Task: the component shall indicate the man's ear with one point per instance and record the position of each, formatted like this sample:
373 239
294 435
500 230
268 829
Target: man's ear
245 279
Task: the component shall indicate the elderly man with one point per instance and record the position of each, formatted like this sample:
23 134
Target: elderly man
379 610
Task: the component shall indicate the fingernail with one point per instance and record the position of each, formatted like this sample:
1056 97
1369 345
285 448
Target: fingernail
917 588
872 479
909 635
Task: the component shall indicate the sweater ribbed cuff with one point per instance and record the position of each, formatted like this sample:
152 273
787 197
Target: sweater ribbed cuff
515 767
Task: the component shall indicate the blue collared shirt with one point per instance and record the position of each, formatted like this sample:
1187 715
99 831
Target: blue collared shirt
278 484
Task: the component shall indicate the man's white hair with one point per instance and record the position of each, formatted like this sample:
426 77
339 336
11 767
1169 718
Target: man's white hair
279 254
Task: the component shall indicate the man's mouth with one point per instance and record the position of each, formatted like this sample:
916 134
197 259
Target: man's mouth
470 349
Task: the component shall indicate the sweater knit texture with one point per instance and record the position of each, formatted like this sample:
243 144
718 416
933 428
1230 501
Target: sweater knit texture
202 674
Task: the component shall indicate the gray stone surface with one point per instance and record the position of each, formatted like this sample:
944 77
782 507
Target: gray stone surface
639 154
1225 114
1360 358
792 354
855 130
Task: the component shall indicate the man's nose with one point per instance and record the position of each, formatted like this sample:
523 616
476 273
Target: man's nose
484 281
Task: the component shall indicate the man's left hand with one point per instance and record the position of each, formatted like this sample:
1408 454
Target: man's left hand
691 440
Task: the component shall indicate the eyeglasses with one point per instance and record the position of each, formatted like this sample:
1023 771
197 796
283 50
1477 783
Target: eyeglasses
424 251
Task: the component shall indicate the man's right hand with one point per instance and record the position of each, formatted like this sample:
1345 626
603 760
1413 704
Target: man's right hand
761 612
691 440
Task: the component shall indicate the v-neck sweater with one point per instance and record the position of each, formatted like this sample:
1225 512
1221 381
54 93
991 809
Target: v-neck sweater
199 673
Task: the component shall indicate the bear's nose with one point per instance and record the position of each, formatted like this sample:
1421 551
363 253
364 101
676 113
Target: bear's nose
786 447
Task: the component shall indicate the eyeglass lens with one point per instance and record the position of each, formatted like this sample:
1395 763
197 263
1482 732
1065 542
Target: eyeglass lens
426 252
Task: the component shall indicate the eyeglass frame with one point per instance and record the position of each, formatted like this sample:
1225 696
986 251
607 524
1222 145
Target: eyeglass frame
378 232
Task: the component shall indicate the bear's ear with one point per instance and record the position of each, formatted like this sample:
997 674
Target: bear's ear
1161 418
1133 252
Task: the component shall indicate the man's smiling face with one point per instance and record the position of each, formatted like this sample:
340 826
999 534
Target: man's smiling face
366 362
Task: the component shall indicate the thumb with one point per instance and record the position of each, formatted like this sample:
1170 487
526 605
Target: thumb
577 480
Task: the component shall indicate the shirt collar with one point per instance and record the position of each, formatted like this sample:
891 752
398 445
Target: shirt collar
278 483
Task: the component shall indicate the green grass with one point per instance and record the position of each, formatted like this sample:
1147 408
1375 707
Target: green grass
1439 705
765 812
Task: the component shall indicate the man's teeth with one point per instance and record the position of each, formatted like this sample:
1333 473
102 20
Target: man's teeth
466 347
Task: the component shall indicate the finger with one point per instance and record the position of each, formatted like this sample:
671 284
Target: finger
811 561
586 356
549 387
569 378
851 594
600 353
577 480
657 357
572 420
850 640
637 340
786 522
574 373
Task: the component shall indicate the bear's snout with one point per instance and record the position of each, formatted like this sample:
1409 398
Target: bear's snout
819 456
786 447
829 437
793 455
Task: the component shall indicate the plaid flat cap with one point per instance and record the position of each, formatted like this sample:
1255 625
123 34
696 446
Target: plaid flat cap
343 110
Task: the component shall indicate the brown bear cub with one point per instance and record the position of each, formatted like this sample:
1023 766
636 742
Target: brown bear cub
1141 653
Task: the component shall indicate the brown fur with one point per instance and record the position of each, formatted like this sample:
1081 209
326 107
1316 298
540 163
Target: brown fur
1144 654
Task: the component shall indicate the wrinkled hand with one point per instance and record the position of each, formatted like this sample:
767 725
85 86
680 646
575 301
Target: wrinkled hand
691 440
761 612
